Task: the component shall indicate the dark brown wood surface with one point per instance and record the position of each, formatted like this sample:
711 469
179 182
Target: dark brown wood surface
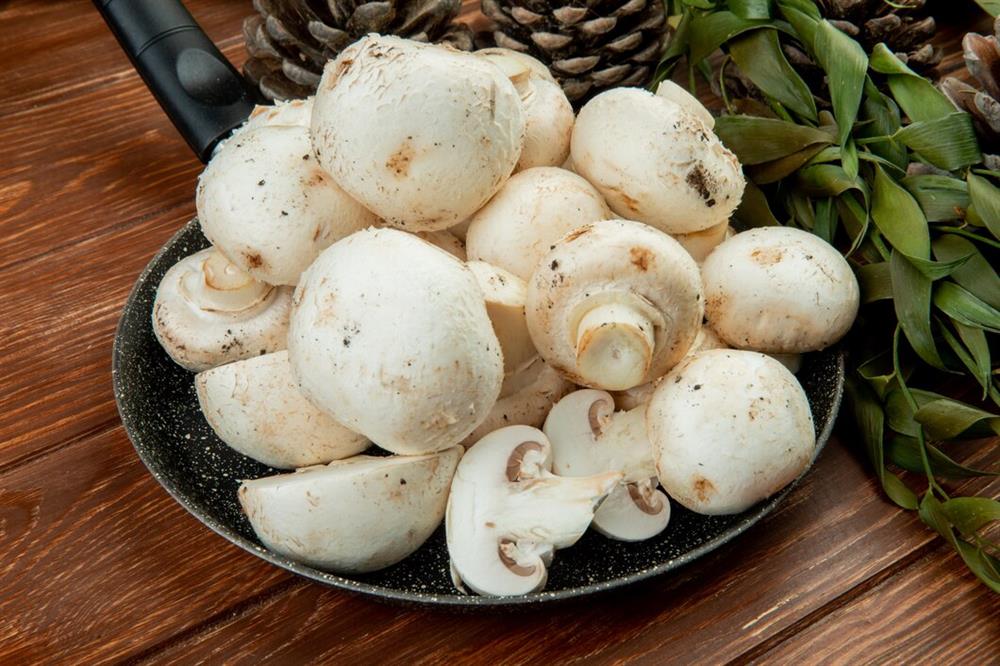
98 564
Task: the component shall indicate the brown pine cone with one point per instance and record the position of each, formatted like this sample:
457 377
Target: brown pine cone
904 26
982 102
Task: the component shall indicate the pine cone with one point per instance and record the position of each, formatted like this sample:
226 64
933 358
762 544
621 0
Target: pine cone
904 26
589 46
289 41
982 59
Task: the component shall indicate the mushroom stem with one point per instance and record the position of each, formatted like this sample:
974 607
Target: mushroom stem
614 346
221 286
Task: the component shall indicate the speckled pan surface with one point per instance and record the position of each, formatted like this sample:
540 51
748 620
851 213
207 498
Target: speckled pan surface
159 409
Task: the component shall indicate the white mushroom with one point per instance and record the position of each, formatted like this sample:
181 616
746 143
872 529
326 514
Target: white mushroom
295 113
682 98
699 244
729 428
615 304
779 290
208 312
589 437
534 209
255 407
507 513
445 240
504 294
548 115
352 516
525 398
791 361
390 336
268 206
655 162
423 135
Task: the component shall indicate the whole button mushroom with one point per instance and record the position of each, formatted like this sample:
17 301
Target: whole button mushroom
699 244
779 290
390 336
676 94
422 135
534 209
614 304
729 428
507 512
352 516
655 162
208 312
255 407
266 204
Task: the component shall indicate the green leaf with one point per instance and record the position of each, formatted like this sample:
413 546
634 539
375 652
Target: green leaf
845 64
986 200
948 142
804 17
976 275
942 198
911 297
879 374
758 140
899 414
824 180
972 364
991 7
905 452
937 270
678 45
826 220
963 307
916 96
933 514
881 116
751 9
975 341
946 418
758 55
712 30
971 514
898 216
876 284
754 211
772 172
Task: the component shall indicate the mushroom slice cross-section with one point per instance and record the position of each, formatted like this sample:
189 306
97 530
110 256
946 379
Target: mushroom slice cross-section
589 437
508 512
355 515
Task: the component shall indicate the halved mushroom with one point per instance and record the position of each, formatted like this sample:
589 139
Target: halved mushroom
525 398
779 290
255 407
699 244
614 304
729 428
268 206
445 240
390 336
589 437
421 134
208 312
507 513
534 209
295 113
352 516
655 162
504 294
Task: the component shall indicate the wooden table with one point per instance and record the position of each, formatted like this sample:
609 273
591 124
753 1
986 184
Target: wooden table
98 563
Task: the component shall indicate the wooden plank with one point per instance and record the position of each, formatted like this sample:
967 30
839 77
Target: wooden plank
54 49
57 322
99 562
832 534
934 612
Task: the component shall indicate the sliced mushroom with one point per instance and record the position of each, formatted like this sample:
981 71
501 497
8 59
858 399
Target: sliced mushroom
534 209
504 293
682 98
614 304
699 244
445 240
507 513
421 134
525 398
390 336
268 206
208 312
779 290
352 516
255 407
729 428
655 162
589 437
294 113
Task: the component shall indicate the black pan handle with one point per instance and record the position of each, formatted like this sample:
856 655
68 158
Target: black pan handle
202 93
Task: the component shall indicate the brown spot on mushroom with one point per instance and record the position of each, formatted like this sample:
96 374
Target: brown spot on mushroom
516 459
594 416
253 259
316 233
703 488
576 233
399 161
701 182
503 550
317 178
631 203
767 256
645 499
641 258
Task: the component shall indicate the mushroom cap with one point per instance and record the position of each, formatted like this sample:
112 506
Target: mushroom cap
533 210
504 294
779 290
548 118
791 361
352 516
507 513
390 336
699 244
267 205
295 113
445 240
525 399
655 162
516 64
729 428
682 98
612 264
421 134
208 312
255 407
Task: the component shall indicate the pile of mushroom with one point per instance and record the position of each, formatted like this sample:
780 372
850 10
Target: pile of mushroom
542 350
